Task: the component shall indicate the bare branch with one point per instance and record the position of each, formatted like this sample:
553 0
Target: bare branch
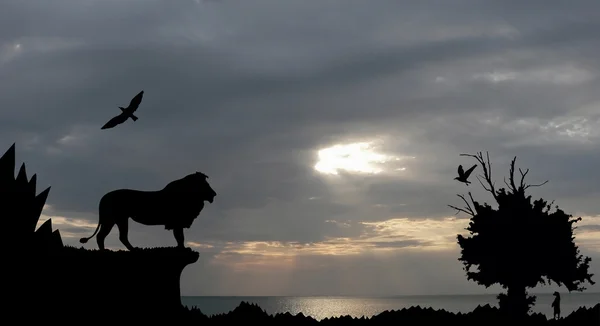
506 183
471 155
490 186
524 186
538 185
466 203
523 174
461 210
484 187
487 172
511 176
493 183
472 200
468 209
474 210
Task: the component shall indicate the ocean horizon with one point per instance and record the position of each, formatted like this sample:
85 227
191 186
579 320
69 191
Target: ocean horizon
320 307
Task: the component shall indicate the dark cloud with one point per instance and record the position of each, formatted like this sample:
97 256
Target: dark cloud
247 93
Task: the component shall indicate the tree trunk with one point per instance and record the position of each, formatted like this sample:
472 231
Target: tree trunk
515 304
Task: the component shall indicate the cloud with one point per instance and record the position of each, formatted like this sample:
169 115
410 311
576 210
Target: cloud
251 100
568 75
588 233
590 228
396 272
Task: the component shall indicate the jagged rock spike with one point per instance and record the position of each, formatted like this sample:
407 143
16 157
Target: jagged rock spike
7 166
32 185
43 236
9 154
46 227
38 206
40 199
56 240
22 176
8 210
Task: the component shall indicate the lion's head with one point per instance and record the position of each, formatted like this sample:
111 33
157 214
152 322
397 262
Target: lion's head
196 184
206 190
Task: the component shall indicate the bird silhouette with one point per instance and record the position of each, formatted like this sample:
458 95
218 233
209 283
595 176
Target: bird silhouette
126 112
463 176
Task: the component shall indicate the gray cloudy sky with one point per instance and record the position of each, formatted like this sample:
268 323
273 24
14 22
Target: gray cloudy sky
248 92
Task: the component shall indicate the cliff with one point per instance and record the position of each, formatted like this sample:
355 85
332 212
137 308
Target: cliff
115 285
44 281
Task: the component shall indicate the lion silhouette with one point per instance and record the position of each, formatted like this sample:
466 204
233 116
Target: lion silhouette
175 206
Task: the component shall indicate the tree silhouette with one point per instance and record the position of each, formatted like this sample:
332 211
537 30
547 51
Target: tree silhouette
519 244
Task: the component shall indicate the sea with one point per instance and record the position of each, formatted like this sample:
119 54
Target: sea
334 306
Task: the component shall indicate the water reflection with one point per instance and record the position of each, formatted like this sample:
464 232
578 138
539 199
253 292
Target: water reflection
323 307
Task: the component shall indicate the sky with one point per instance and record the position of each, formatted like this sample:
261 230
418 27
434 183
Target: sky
330 130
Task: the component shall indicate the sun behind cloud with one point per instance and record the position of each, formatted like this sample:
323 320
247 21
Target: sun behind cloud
360 157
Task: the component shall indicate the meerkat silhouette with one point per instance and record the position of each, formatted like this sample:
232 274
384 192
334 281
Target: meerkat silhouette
556 305
126 112
463 176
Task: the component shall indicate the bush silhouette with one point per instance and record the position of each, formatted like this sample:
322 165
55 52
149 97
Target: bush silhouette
249 313
519 244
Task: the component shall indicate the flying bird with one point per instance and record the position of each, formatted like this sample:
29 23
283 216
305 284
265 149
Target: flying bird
463 176
126 113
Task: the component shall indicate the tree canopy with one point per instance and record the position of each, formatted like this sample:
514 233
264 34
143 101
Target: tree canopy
520 243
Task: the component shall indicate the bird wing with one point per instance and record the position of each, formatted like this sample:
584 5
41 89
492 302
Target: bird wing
115 121
460 171
468 173
135 102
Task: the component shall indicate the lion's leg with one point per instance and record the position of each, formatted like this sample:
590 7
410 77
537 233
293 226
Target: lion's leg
178 233
123 226
105 229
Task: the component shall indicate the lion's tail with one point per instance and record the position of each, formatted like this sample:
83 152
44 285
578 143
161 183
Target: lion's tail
84 240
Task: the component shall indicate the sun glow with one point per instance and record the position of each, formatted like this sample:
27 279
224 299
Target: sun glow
356 157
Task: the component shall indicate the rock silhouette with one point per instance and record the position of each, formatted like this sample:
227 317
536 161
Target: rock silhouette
519 244
26 255
20 208
175 206
126 113
104 285
248 312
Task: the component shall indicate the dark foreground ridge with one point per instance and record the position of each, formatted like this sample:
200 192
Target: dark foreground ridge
144 286
252 313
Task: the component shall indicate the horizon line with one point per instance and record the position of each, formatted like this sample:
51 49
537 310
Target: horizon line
372 296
